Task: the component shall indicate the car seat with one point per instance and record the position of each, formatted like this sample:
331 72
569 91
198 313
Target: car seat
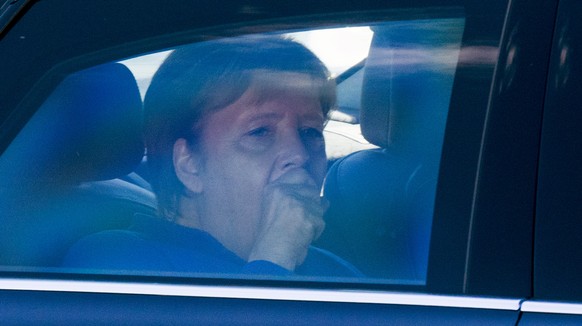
70 170
381 200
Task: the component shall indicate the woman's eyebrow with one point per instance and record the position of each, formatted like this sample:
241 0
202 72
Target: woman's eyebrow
313 117
252 116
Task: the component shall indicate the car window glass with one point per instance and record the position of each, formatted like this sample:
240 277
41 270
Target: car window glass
80 174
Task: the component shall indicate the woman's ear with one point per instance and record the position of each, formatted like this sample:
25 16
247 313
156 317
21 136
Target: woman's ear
187 166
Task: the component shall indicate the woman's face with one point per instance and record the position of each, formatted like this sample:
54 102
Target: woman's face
248 145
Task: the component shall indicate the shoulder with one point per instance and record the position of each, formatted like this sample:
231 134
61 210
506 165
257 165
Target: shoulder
151 246
115 250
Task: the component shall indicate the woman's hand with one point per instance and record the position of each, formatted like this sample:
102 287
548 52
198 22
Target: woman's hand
292 218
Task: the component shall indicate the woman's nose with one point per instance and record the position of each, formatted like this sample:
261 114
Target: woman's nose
293 152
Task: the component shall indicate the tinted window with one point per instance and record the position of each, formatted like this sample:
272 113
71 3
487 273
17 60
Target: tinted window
76 178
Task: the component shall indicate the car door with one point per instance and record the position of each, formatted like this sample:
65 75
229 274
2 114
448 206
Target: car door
478 263
557 288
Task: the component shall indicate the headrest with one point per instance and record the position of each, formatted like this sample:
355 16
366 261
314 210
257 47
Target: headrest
408 79
90 128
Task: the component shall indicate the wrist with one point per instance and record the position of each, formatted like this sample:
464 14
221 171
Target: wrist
264 267
282 260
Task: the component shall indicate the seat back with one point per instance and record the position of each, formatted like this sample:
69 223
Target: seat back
381 200
59 177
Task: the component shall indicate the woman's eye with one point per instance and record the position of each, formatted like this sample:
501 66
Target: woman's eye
258 139
259 132
311 133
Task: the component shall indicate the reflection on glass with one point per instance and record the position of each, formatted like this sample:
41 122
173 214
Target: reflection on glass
240 134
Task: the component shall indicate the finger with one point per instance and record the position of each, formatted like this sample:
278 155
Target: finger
298 176
302 192
309 208
312 203
301 258
313 215
318 229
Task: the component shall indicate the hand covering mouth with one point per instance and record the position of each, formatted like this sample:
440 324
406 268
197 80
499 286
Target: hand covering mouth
297 176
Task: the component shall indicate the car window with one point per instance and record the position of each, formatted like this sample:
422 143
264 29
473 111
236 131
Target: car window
342 50
88 174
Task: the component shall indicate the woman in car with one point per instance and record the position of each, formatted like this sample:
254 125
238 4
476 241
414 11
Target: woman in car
237 159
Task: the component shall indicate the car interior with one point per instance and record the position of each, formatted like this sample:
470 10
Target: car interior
382 199
80 169
86 170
